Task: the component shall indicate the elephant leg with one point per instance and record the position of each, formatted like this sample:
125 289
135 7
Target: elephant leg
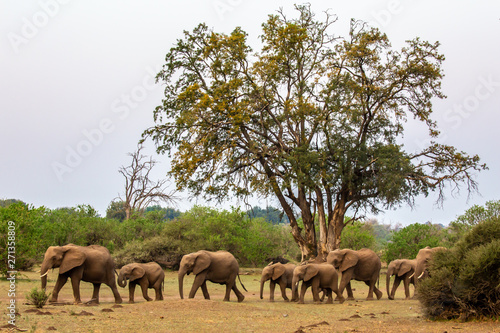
303 290
199 280
406 283
114 289
144 288
283 290
61 281
131 291
95 293
378 293
370 285
397 281
315 290
350 295
272 285
158 293
75 283
238 293
204 289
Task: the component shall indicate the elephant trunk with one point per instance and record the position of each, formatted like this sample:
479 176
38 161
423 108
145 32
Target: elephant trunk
295 285
388 282
44 270
180 277
262 281
122 281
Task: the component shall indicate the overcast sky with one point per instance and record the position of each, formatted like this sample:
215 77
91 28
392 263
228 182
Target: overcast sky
77 88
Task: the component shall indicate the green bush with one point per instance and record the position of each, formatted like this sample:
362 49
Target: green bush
358 235
38 298
465 281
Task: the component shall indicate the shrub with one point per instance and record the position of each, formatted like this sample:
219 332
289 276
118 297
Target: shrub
465 281
38 298
358 235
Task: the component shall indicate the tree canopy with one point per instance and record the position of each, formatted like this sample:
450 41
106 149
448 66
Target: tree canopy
312 119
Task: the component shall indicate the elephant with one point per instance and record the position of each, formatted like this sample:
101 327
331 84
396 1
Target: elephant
424 257
218 267
404 270
80 263
149 275
316 276
361 265
281 274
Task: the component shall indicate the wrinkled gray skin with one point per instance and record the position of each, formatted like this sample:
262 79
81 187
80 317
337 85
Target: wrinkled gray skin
281 274
316 276
362 265
80 263
403 270
149 275
424 257
218 267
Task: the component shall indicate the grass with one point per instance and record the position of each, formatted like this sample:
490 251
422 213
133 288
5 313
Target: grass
200 315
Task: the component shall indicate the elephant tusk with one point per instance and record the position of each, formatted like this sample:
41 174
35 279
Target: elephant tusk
44 274
411 276
420 275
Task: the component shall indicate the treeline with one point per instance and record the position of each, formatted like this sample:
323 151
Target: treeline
165 234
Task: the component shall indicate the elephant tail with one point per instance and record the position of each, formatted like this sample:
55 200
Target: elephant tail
242 283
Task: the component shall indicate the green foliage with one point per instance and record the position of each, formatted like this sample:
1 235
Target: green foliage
406 242
465 281
251 241
38 298
472 217
358 235
116 210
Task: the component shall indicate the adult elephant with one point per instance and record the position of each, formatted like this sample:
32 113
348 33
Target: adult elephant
403 270
80 263
148 275
424 258
361 265
218 267
316 276
278 273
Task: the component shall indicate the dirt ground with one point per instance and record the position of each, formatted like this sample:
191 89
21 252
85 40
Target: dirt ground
200 315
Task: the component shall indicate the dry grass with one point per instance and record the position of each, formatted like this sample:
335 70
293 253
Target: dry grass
199 315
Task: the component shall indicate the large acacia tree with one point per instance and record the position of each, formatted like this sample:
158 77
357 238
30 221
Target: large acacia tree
312 119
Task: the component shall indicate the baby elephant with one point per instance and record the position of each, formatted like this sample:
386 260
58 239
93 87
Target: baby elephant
316 276
149 275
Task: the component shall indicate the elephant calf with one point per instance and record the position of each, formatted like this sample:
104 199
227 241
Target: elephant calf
149 275
281 274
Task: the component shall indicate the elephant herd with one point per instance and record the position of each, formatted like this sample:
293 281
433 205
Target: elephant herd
94 264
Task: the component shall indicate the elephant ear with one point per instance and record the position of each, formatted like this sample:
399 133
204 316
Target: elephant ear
311 272
404 268
202 262
278 271
73 257
137 273
350 260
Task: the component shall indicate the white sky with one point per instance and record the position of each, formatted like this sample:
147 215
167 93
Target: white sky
77 87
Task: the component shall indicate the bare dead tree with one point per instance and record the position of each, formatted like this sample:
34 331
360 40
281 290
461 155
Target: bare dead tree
140 190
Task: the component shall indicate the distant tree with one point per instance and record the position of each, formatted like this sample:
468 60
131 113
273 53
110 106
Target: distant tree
270 214
406 243
140 190
313 120
8 202
168 213
116 210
